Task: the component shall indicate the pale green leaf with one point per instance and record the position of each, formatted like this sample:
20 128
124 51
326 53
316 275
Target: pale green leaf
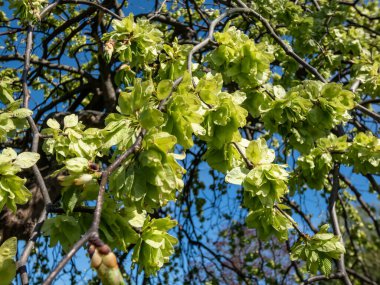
26 159
236 175
70 121
53 123
164 88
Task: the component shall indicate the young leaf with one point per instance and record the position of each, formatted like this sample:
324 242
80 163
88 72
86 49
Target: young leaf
26 159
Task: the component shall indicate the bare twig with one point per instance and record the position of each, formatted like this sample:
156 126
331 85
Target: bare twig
294 224
46 63
93 4
373 182
322 278
364 110
21 264
298 210
316 4
364 205
156 13
360 107
48 9
246 160
360 277
354 5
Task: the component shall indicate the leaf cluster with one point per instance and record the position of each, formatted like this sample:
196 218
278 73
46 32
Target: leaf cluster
12 188
318 251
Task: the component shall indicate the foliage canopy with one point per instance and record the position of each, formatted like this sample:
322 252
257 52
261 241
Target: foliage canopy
179 141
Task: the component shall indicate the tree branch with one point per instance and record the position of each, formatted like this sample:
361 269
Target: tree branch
36 171
335 222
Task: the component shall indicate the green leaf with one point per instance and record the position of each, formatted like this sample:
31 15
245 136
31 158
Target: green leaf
324 228
259 153
26 159
164 88
52 123
163 141
236 175
70 121
77 164
7 271
9 248
7 264
209 87
64 229
318 251
13 191
7 155
150 118
155 246
325 266
70 198
22 113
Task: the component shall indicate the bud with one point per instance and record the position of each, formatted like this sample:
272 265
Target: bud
104 261
104 249
83 179
91 250
96 259
108 49
110 260
93 166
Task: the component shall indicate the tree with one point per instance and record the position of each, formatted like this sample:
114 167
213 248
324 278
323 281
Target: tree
190 142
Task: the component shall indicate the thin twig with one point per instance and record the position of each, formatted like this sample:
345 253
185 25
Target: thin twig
21 264
364 110
156 13
298 210
360 277
360 107
317 278
48 9
295 226
364 205
335 222
40 181
246 160
316 4
93 4
46 63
